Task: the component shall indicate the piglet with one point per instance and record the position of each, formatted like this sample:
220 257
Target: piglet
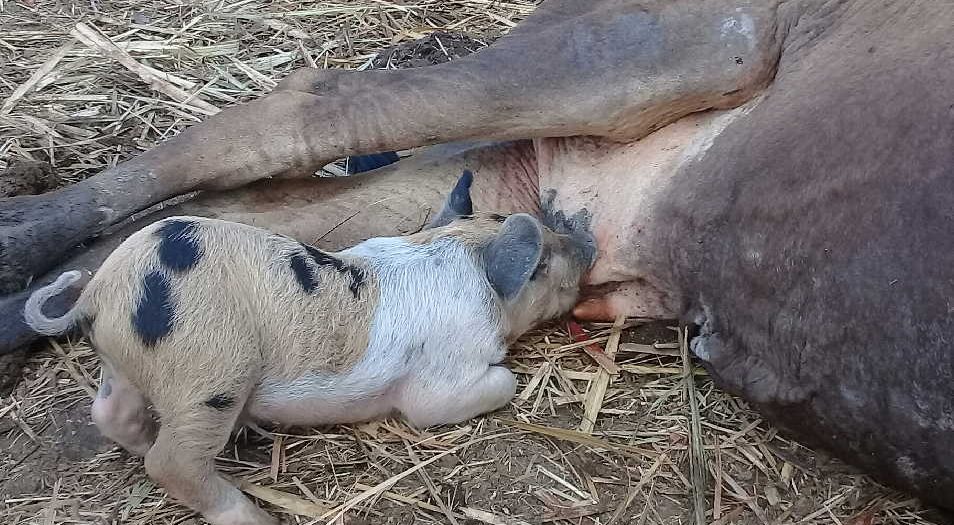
213 323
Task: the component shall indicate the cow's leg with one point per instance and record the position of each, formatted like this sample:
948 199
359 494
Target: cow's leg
20 178
396 200
333 213
611 68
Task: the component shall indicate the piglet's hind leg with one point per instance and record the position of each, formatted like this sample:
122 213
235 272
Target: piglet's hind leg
448 401
182 462
120 412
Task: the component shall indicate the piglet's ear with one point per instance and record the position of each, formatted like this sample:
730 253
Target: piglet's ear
512 257
458 203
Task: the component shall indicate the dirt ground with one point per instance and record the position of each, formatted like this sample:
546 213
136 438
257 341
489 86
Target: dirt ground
527 464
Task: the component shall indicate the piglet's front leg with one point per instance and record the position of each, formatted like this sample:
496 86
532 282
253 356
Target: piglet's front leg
426 402
182 459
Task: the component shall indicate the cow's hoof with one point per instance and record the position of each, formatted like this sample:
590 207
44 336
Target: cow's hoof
36 231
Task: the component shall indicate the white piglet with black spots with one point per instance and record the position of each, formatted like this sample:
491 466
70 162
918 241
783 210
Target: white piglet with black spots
213 323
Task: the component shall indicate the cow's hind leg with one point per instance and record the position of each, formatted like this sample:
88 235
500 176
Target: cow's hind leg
332 213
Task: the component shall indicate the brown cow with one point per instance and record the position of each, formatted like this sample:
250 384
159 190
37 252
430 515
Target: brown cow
778 172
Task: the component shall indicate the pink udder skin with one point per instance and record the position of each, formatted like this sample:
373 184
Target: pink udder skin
621 187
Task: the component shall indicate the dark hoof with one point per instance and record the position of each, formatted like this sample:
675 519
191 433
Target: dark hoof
36 231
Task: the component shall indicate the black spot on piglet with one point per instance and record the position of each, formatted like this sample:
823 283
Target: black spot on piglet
357 280
152 319
306 277
220 401
303 272
179 248
324 259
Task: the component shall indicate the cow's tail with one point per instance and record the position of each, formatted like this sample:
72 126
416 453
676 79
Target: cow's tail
33 309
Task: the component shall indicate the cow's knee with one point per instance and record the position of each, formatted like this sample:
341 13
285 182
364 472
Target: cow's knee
312 80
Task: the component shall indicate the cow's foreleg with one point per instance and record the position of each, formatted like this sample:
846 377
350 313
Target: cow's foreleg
611 68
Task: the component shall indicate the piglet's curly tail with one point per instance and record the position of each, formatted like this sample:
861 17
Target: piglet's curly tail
33 310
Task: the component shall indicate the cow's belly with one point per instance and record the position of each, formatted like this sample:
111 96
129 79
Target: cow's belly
615 190
816 237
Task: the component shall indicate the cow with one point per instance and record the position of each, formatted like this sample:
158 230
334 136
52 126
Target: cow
776 173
